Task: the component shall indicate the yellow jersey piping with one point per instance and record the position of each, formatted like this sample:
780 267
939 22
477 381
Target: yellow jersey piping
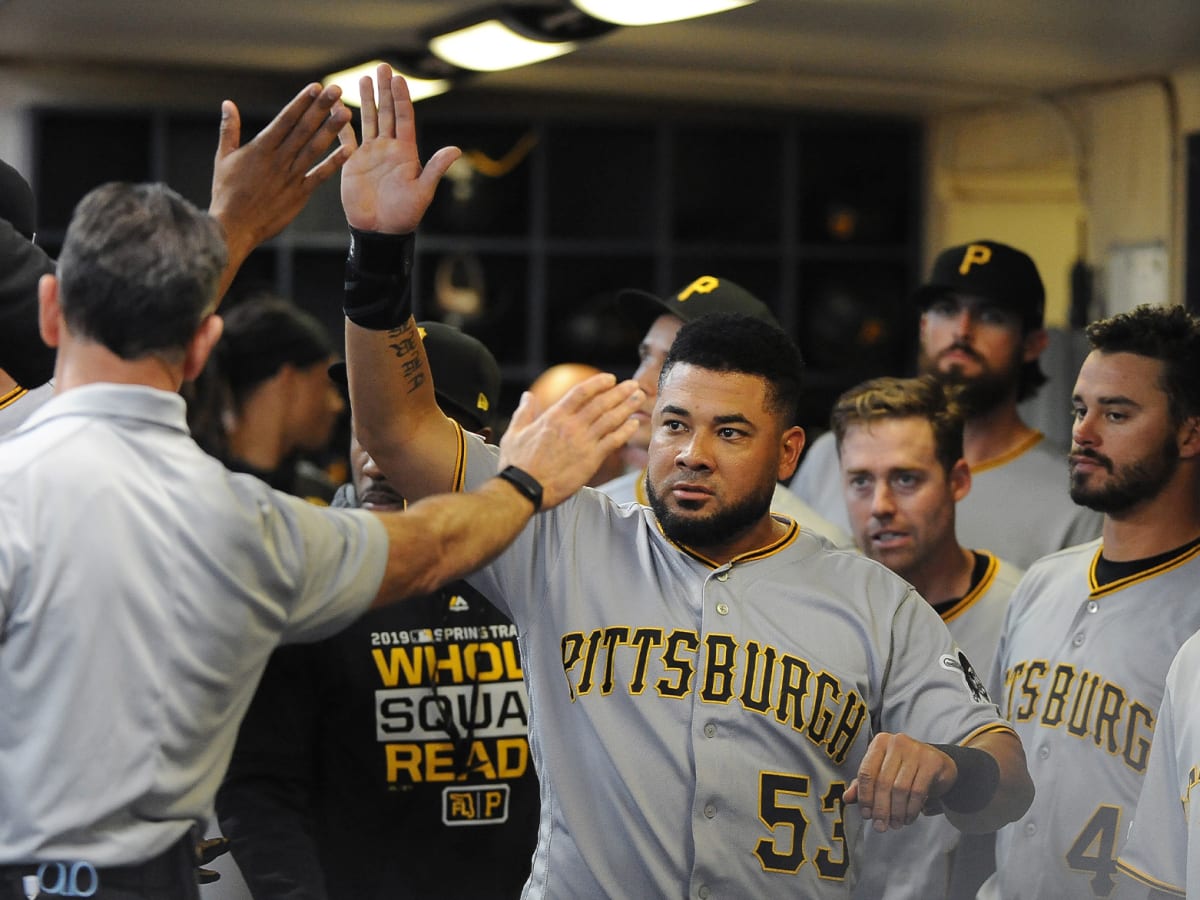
972 596
770 549
12 396
1096 590
1026 445
1149 880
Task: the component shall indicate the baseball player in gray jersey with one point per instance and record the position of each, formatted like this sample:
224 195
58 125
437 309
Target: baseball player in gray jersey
1162 852
901 446
1091 631
703 296
713 711
981 328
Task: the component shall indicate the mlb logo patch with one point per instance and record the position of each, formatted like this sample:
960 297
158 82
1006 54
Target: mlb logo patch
475 804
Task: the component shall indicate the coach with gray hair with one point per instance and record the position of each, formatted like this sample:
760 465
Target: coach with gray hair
143 586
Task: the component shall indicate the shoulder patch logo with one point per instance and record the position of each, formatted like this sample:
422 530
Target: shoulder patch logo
974 683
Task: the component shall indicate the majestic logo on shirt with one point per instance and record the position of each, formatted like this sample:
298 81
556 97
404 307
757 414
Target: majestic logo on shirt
459 604
974 683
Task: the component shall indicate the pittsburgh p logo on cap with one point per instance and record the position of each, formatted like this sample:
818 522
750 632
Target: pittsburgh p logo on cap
995 272
705 284
975 254
699 297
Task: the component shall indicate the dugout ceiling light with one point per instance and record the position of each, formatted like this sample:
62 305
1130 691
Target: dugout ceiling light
419 88
508 35
654 12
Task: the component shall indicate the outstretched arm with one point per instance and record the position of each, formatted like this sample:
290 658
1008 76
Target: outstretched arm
452 535
260 187
901 777
385 193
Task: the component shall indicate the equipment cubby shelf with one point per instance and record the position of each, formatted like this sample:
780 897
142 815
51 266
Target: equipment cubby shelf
557 207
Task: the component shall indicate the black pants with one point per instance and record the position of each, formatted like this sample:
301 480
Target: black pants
168 876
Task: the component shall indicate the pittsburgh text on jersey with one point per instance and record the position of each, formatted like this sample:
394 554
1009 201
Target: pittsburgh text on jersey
1083 704
757 675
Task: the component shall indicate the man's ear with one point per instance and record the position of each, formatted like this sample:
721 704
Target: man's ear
792 445
1034 344
960 480
201 345
1189 437
50 322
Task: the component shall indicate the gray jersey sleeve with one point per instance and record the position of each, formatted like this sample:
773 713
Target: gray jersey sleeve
1156 852
932 692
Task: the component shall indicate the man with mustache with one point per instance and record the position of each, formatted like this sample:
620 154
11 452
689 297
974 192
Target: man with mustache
703 296
406 731
1091 631
981 329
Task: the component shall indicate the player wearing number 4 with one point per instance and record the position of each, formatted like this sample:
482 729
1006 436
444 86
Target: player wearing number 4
1091 631
719 700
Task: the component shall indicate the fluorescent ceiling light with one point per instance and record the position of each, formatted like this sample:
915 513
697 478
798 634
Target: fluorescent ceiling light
418 88
652 12
492 45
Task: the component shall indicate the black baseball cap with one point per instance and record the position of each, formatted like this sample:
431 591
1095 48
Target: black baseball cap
466 376
16 201
993 271
699 297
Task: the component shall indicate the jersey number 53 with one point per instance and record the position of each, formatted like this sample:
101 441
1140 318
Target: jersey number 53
782 800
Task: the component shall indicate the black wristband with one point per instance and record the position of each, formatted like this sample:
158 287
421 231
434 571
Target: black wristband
528 486
379 279
978 778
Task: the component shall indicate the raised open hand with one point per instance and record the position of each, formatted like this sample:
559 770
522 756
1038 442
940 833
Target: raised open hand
564 445
259 187
384 186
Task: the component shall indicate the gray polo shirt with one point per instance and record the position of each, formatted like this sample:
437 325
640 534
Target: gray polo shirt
142 588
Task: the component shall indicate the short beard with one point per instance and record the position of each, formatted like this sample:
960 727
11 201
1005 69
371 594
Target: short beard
979 394
1135 483
714 530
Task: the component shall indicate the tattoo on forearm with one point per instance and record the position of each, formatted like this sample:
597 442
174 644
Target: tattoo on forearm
403 342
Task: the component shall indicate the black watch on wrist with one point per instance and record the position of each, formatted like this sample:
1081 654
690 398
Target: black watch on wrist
528 486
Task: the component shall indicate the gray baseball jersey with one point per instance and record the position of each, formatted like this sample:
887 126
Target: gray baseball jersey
1080 673
632 486
694 725
916 863
1162 850
1018 507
